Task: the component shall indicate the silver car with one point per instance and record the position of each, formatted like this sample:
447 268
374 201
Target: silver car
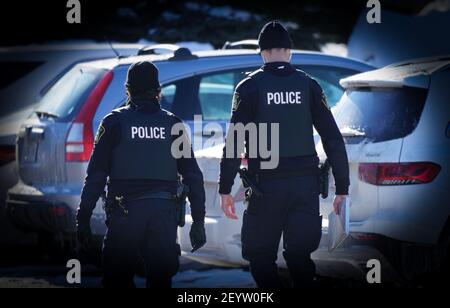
396 126
26 74
55 143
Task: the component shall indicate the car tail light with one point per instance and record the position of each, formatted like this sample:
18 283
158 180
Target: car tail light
382 174
80 139
7 154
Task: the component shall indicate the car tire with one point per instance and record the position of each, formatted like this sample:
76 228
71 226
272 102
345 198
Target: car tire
441 271
425 266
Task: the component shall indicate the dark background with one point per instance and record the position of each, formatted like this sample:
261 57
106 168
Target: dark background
25 22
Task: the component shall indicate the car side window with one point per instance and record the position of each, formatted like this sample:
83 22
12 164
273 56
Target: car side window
328 78
209 95
168 94
215 94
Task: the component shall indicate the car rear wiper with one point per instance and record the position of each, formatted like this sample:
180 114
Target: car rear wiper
47 114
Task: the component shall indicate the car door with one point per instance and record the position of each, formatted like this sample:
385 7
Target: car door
203 102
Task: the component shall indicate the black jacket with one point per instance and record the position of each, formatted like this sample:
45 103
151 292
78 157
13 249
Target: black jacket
245 105
100 163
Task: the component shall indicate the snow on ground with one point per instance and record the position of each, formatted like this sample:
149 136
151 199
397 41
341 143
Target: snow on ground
214 278
225 12
229 13
35 274
170 16
334 49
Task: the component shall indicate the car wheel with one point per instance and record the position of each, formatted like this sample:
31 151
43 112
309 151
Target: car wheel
441 271
427 266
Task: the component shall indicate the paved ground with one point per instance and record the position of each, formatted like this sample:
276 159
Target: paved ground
22 267
27 269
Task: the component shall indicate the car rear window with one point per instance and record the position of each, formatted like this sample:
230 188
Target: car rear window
65 95
380 114
11 71
328 78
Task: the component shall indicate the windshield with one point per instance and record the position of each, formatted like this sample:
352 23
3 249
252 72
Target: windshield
66 94
380 114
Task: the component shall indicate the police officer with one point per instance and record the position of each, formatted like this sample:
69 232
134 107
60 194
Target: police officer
289 207
133 151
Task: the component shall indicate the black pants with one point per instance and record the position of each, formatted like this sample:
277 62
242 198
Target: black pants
289 207
148 233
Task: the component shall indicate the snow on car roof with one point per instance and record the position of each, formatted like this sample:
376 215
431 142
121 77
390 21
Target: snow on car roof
112 62
394 75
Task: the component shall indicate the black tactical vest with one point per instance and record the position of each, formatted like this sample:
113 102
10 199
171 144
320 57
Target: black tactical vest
286 100
144 151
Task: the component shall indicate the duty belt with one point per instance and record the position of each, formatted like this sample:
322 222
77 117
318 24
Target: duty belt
120 201
150 195
285 174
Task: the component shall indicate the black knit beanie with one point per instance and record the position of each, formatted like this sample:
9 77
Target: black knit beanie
142 77
274 35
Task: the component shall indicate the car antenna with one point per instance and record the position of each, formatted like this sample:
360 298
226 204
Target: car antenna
112 48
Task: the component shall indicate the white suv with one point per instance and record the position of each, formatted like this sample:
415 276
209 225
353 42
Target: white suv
395 122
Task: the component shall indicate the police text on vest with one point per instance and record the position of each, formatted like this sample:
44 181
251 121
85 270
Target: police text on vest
283 98
148 132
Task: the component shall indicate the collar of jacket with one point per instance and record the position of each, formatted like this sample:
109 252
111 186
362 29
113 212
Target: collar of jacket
144 105
278 68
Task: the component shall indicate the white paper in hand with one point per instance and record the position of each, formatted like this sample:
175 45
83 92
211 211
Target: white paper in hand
339 226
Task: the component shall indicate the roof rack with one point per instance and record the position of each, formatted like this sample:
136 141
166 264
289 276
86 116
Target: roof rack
157 49
182 53
244 44
179 53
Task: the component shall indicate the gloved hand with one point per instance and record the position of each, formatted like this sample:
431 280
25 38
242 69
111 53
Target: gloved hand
197 235
84 233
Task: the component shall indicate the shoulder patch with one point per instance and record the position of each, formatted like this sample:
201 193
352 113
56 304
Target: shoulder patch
100 133
322 94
